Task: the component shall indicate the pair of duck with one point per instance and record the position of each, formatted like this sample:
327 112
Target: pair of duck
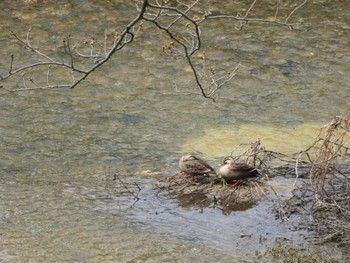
231 171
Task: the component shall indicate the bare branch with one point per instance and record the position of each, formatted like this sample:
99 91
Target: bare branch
29 46
295 9
181 24
245 19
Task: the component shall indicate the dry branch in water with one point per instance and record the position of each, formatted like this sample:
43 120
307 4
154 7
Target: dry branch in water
326 193
325 169
179 20
332 161
119 186
323 191
213 192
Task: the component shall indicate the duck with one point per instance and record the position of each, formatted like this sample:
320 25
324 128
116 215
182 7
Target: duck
194 166
234 173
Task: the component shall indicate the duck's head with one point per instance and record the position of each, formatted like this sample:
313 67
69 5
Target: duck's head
188 157
229 160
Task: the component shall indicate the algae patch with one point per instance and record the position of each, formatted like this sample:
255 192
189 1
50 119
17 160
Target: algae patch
222 141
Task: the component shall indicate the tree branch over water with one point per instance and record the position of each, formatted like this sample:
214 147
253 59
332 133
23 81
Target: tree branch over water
180 21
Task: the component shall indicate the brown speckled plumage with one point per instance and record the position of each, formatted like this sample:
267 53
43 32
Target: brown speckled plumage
232 171
195 166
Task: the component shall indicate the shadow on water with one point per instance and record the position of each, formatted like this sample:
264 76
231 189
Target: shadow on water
201 201
194 200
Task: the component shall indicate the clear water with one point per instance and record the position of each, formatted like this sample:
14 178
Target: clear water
57 200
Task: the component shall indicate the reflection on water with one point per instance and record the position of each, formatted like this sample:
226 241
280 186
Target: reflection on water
128 117
194 200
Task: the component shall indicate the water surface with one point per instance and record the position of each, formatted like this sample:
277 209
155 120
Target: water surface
60 148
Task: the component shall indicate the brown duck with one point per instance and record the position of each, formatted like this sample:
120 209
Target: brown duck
233 172
192 165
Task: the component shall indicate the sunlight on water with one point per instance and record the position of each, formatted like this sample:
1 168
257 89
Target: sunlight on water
225 140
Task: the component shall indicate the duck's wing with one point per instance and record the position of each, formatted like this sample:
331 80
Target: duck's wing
205 167
245 168
199 166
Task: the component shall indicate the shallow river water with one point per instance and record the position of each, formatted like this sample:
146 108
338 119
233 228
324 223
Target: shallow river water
60 148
